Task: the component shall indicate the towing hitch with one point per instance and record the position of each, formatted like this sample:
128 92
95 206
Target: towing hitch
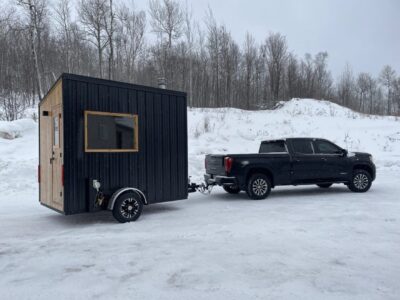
203 188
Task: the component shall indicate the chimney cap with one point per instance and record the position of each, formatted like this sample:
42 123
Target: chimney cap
161 82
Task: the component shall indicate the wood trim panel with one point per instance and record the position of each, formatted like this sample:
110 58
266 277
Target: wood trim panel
101 113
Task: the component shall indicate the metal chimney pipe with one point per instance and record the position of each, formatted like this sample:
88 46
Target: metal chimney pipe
162 83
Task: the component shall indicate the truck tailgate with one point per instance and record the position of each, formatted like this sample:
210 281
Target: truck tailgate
215 164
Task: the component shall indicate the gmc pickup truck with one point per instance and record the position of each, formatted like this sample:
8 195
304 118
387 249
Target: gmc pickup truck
294 161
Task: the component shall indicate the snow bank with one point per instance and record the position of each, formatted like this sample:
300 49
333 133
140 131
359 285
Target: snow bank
228 130
15 129
18 155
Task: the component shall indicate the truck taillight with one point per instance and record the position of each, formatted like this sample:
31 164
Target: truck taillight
62 175
38 173
228 161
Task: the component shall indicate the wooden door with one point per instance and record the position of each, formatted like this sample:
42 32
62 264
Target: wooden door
57 158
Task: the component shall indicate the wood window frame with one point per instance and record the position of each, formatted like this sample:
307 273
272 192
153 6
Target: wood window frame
101 113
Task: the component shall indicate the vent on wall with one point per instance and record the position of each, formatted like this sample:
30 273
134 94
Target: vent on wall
45 113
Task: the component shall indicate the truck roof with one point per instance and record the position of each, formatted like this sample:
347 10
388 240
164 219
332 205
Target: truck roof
295 138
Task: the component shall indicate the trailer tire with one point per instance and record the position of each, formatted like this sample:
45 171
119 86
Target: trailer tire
128 207
231 189
258 186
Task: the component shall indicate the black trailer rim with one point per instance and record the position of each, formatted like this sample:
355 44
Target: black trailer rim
129 208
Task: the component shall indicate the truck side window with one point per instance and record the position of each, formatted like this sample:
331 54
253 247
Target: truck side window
302 147
273 147
323 147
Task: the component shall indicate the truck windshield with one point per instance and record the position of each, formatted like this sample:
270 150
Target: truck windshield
273 147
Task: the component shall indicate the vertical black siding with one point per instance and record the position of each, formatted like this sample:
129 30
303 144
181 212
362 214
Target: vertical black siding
159 169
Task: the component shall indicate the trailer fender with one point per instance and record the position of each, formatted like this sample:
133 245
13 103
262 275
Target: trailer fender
119 192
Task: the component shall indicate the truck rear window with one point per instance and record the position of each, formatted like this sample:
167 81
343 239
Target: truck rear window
273 147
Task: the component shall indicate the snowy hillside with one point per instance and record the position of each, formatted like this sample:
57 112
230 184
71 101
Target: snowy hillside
232 130
300 243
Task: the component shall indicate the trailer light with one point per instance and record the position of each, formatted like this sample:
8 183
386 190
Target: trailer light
96 184
228 161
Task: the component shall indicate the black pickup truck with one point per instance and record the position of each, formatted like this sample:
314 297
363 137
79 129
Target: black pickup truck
294 161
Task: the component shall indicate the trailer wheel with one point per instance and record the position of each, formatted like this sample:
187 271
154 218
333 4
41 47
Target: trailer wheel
231 189
258 186
127 207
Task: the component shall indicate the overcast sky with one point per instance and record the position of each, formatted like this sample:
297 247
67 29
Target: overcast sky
364 33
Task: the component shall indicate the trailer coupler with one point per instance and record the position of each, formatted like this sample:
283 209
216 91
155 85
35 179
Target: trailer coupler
203 188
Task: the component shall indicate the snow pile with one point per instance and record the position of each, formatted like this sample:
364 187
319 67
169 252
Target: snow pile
228 130
15 129
18 156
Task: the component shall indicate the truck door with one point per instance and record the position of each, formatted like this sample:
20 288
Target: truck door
306 166
333 161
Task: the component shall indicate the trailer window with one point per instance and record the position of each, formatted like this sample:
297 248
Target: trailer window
110 132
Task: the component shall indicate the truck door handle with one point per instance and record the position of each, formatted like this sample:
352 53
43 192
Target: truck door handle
324 158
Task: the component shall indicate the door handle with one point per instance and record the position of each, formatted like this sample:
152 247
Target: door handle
51 160
324 159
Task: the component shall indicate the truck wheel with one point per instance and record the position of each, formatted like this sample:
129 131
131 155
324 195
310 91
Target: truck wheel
360 182
231 189
325 185
258 186
128 207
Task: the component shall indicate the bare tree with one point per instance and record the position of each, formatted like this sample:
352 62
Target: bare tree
63 19
131 38
363 85
35 10
276 56
386 78
109 26
345 86
322 77
92 16
190 42
250 56
167 17
292 77
11 106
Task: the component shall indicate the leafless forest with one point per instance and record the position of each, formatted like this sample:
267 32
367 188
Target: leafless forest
107 38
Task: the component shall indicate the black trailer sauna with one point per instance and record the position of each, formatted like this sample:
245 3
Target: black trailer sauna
111 145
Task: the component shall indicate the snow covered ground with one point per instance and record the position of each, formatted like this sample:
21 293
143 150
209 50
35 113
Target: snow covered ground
302 242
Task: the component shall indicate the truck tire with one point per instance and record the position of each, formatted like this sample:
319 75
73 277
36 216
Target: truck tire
258 186
361 181
127 207
325 185
231 189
